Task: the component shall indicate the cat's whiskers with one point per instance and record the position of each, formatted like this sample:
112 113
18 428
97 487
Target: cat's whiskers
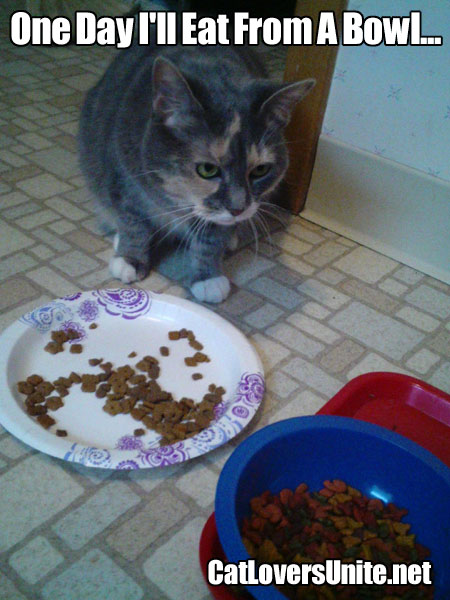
255 235
195 231
138 173
284 143
183 243
275 206
178 222
189 208
273 216
262 222
204 229
269 209
187 235
134 176
161 214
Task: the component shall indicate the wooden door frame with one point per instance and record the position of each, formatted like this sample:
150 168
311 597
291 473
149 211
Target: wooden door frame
303 131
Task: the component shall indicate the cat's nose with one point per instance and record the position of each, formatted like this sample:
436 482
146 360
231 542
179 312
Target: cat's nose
236 211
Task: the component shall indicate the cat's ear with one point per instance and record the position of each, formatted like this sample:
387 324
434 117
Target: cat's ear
277 108
173 100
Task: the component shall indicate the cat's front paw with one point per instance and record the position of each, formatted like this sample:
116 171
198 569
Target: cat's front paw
213 290
121 269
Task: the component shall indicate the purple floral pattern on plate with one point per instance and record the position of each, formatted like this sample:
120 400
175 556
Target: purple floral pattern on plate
251 388
127 465
129 442
88 310
129 303
165 455
219 410
72 297
240 411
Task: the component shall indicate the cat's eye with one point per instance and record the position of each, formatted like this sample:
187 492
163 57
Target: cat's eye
207 170
260 170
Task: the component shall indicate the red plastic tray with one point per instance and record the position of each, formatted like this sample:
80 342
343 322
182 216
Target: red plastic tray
401 403
398 402
210 548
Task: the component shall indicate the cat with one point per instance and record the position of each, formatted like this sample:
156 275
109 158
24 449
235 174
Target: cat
180 145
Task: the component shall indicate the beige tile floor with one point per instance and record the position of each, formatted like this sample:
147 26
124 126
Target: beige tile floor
320 309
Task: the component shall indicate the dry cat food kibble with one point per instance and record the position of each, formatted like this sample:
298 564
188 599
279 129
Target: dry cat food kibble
74 377
128 390
337 522
38 395
95 361
54 402
193 361
59 338
46 421
54 348
142 397
198 357
186 334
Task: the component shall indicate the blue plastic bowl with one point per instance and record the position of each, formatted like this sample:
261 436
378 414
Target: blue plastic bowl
378 462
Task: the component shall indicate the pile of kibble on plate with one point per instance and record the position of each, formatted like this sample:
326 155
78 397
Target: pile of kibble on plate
127 390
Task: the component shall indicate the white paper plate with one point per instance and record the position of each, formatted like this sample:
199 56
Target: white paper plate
128 320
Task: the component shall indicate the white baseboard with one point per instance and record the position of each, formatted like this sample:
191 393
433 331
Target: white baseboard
400 212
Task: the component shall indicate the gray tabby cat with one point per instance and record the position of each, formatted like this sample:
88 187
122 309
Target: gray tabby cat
180 145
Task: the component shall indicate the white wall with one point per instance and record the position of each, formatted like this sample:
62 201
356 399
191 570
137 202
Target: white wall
395 101
382 172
